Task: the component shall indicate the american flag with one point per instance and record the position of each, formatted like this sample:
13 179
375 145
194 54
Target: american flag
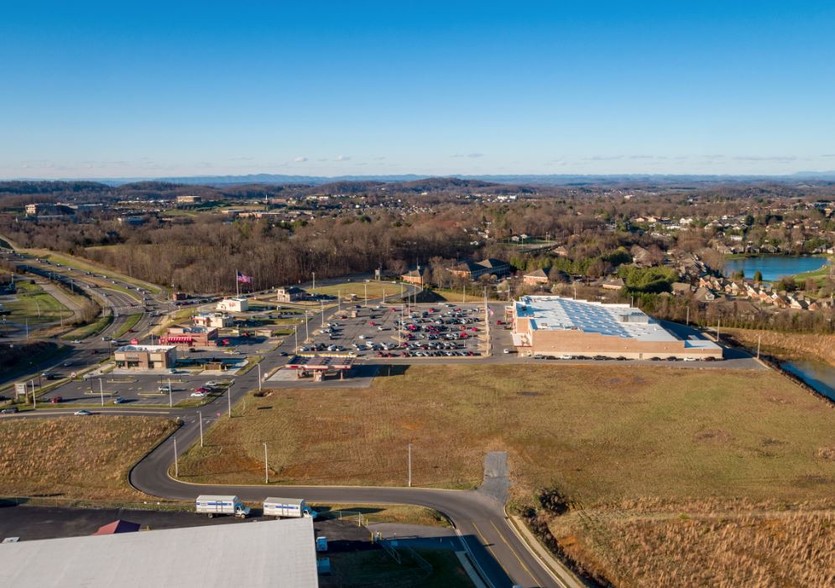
242 279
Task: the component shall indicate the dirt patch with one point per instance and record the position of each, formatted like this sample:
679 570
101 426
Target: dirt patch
827 453
713 437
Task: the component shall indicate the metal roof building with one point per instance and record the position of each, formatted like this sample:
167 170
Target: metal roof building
251 554
552 325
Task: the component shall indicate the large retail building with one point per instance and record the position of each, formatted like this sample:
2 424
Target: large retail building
562 327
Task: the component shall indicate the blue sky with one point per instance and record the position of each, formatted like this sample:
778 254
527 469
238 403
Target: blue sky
149 89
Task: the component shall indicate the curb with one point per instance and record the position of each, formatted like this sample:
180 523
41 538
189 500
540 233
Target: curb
563 576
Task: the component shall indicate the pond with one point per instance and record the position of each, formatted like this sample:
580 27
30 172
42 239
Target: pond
816 374
774 267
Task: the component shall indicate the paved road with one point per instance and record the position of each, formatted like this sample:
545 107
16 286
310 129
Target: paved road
479 519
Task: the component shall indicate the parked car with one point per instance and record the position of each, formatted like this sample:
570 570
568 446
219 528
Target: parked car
9 410
119 400
56 400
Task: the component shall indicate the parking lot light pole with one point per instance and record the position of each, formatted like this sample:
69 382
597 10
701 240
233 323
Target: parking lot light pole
322 302
306 329
410 465
170 397
176 462
101 391
366 292
296 337
229 400
259 376
200 416
339 300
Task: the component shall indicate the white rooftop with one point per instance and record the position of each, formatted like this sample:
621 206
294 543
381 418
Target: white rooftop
251 554
553 313
148 348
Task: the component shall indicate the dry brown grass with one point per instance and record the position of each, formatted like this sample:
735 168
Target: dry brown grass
599 433
710 543
83 457
631 448
788 345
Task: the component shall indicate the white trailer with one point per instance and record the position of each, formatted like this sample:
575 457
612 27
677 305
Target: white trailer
221 505
288 507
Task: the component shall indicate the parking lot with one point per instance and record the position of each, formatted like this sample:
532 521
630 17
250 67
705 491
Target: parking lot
131 388
397 331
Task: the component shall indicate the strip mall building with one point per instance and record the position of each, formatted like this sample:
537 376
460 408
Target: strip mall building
561 327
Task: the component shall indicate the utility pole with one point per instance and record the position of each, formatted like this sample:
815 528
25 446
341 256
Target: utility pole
296 337
101 391
410 465
229 400
259 376
170 397
322 303
266 466
306 329
176 462
200 416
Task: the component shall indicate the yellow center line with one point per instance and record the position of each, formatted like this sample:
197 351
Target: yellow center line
513 551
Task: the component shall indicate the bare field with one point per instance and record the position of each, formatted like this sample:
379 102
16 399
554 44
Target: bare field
788 345
75 457
599 433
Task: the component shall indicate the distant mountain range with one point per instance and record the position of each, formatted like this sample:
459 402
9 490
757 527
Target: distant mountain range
529 179
472 180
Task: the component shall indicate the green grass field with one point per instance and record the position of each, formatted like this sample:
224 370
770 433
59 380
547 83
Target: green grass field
375 290
36 305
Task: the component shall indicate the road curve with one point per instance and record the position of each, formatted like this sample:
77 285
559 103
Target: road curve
498 552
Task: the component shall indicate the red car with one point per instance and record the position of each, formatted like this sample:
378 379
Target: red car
56 400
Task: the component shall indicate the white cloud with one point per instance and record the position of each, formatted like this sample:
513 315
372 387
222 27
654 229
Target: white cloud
300 159
343 157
